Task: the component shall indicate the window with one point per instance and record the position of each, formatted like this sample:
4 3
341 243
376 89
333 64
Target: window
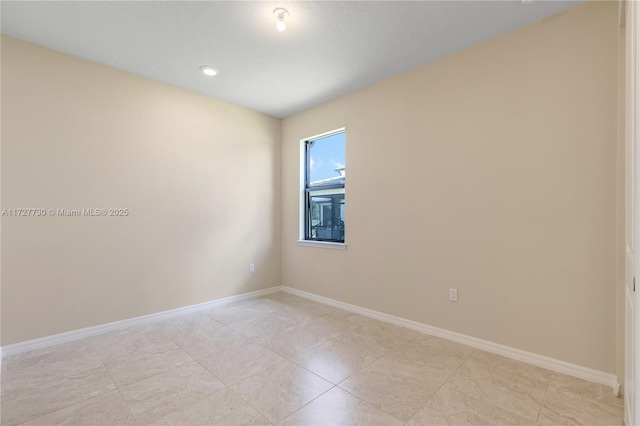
324 179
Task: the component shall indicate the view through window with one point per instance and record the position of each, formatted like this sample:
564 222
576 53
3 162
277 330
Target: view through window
324 187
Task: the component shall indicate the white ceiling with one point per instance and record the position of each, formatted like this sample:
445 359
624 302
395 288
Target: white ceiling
328 49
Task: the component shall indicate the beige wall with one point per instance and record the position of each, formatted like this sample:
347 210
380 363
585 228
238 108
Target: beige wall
200 178
493 171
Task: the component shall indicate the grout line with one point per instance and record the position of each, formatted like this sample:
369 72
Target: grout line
179 366
295 363
371 404
74 404
388 352
257 372
457 370
253 340
227 387
427 401
153 326
544 398
58 376
250 405
292 413
118 390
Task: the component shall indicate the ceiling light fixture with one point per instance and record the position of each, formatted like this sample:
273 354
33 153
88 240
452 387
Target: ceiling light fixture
208 70
280 15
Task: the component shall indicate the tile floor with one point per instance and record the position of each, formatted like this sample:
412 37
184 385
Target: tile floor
285 360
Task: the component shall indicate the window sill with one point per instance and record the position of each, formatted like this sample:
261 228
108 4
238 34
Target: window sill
322 244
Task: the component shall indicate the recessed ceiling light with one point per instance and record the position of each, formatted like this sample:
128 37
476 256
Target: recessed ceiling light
208 70
280 15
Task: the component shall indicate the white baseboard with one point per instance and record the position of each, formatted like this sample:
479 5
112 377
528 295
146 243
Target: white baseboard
81 333
617 389
553 364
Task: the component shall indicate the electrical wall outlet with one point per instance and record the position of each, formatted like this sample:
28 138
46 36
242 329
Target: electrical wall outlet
252 267
453 294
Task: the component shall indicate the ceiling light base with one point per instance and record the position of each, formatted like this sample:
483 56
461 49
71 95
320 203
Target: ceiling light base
280 14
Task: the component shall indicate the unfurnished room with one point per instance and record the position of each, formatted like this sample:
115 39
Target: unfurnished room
319 212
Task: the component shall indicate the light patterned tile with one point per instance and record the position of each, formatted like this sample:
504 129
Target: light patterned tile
500 392
286 298
391 336
390 372
181 327
303 310
356 320
563 383
127 342
202 344
328 327
105 410
291 342
339 358
63 353
144 363
296 314
223 407
444 346
315 308
524 376
449 407
157 396
338 407
262 325
40 388
431 363
230 314
138 352
24 369
280 390
572 401
262 304
394 390
513 385
238 363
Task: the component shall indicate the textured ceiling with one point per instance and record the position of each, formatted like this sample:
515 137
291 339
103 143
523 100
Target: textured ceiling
329 48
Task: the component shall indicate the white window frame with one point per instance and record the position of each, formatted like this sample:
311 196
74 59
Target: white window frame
302 195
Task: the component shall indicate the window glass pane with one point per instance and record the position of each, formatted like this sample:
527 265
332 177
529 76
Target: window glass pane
326 160
327 217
